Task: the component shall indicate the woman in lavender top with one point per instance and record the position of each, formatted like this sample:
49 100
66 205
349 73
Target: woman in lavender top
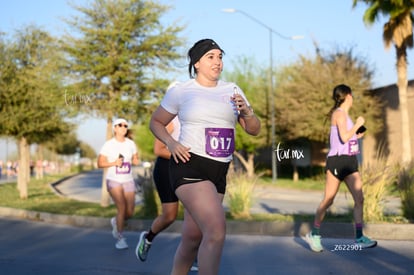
342 165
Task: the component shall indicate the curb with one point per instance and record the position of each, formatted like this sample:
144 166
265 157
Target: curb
385 231
56 183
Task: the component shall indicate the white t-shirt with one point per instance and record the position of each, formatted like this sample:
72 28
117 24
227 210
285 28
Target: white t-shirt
176 128
111 150
207 116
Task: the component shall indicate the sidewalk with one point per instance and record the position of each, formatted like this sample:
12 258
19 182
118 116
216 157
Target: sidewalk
266 199
6 179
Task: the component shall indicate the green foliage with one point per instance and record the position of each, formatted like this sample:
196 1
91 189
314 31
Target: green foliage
399 28
144 140
32 105
377 177
302 91
397 31
406 188
239 194
119 54
395 9
43 199
86 151
246 74
66 144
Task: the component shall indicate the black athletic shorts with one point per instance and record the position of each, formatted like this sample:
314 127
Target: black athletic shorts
342 166
161 176
199 169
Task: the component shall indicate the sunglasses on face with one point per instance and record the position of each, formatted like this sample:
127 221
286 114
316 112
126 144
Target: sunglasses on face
122 125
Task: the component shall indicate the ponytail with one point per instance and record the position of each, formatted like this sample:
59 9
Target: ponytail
338 95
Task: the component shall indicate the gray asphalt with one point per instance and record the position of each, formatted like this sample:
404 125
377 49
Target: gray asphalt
41 243
30 247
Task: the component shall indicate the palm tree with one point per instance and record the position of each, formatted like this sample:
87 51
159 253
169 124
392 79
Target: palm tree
398 31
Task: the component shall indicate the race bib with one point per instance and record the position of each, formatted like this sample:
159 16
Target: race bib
124 169
353 147
219 142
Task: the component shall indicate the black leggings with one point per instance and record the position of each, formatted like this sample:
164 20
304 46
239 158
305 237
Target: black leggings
161 176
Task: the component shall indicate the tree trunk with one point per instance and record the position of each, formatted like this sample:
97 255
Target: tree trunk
295 173
23 168
39 162
247 164
105 198
402 93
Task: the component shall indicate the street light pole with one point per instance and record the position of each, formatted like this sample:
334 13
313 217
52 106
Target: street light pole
272 110
271 83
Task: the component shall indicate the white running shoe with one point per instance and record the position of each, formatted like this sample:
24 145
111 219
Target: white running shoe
114 228
314 242
121 243
194 267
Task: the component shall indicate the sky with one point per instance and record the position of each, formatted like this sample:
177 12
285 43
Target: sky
330 24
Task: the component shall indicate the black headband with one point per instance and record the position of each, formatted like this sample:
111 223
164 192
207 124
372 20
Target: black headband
199 49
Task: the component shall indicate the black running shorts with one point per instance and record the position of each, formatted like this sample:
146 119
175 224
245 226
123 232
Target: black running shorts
342 166
199 169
